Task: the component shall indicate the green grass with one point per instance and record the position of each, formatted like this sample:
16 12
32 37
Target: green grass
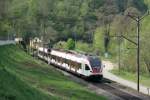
23 78
144 79
147 2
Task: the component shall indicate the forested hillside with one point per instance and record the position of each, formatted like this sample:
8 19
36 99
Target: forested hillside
92 23
62 18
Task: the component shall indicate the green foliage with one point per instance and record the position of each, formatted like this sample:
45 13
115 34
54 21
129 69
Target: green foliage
60 45
145 55
59 20
99 40
70 44
81 46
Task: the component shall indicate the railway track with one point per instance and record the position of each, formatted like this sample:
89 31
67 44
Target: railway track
108 88
111 88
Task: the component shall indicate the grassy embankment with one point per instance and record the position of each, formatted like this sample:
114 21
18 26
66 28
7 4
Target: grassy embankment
23 78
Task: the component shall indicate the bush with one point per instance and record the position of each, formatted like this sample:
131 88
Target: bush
84 47
70 44
60 45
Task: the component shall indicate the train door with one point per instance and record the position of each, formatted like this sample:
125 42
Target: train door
83 68
86 70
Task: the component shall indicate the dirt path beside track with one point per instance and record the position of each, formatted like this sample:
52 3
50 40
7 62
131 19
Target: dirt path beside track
106 72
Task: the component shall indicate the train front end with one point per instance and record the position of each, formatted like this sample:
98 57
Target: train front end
96 68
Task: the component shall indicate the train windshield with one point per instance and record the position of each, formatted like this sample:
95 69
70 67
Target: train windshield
95 62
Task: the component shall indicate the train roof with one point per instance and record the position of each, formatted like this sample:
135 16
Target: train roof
72 55
46 50
69 54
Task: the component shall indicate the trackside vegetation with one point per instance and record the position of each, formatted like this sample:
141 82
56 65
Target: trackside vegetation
24 78
144 78
94 25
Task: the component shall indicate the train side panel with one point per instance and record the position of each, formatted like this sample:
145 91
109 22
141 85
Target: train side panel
76 65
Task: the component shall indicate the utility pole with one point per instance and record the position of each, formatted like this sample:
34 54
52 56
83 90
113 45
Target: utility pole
44 41
138 20
119 37
138 53
92 38
107 39
75 38
119 51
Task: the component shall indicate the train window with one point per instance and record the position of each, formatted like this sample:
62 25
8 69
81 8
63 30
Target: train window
87 67
95 62
79 65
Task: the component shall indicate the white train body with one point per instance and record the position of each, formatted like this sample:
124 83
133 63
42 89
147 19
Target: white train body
87 66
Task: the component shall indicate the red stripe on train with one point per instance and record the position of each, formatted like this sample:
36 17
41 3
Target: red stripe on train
96 70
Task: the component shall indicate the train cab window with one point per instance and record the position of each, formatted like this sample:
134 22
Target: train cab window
87 67
95 62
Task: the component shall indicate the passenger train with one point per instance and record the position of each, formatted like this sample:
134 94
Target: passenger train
80 64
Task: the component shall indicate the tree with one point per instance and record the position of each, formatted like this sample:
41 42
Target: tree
107 38
70 44
4 23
